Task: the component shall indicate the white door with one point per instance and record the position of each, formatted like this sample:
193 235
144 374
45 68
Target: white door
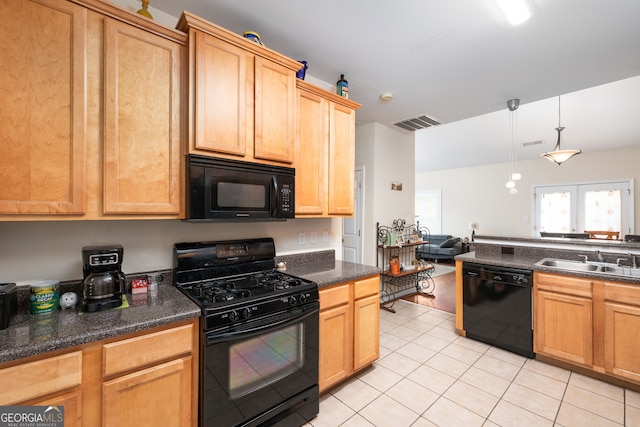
352 227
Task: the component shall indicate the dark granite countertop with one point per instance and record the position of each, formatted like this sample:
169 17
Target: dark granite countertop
502 260
329 273
322 268
528 261
30 335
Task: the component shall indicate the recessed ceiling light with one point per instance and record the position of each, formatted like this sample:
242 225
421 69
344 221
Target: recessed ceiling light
516 11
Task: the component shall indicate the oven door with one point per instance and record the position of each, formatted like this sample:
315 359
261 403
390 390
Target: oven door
264 370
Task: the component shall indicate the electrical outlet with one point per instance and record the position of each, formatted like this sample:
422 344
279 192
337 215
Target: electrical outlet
325 236
301 238
313 237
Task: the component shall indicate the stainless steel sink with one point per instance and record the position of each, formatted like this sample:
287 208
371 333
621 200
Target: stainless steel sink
566 264
620 270
589 266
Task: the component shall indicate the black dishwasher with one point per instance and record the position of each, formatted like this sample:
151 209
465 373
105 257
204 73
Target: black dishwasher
497 307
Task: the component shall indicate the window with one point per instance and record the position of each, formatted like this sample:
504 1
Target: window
429 210
606 206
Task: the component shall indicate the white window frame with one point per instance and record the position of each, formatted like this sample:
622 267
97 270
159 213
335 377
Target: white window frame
577 191
435 226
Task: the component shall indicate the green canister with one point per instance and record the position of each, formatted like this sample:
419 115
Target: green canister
44 297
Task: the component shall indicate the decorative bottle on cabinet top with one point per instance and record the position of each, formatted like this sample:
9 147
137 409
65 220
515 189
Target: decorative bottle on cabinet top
342 87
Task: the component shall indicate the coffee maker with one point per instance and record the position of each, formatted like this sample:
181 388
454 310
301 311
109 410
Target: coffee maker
104 281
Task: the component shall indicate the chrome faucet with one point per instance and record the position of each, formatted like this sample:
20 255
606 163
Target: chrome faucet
585 258
619 261
634 262
599 256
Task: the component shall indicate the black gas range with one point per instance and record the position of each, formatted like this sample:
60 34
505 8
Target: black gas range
259 338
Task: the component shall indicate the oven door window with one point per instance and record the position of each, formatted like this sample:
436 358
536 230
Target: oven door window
263 360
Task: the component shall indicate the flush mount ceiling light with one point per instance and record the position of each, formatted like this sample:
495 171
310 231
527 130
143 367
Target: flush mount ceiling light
559 156
516 11
386 97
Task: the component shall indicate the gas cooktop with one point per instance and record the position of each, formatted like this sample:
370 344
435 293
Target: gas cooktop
225 289
234 281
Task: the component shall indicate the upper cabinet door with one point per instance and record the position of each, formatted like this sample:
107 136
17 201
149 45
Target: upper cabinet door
42 107
275 91
311 154
341 160
223 96
142 125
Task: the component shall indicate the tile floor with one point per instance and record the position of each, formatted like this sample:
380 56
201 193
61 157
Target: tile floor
428 375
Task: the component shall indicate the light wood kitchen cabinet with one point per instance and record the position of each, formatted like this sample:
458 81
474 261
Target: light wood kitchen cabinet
160 395
621 326
92 98
42 107
148 379
241 96
349 329
342 157
142 137
336 335
325 153
143 379
48 381
588 323
563 318
366 322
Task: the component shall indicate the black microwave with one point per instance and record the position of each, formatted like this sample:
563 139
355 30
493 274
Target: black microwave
222 189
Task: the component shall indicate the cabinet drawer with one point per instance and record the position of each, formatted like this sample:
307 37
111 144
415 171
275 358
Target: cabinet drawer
564 284
366 287
147 349
618 292
39 378
332 297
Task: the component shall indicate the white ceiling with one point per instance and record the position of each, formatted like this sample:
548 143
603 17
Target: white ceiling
460 59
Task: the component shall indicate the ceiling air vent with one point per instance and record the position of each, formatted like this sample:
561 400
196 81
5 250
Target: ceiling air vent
529 143
417 123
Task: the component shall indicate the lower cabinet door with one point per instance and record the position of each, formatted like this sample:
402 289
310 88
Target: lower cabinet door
563 327
72 404
366 340
621 347
336 334
157 396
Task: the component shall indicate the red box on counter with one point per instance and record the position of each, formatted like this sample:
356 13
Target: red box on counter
139 286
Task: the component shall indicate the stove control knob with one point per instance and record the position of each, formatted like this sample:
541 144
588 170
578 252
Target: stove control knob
292 300
233 316
246 313
302 298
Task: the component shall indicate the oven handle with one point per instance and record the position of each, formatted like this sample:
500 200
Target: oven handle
307 311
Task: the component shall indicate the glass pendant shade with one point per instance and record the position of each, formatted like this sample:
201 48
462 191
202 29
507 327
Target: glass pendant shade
513 105
559 156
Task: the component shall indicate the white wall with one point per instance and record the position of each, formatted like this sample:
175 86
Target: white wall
478 194
52 250
387 156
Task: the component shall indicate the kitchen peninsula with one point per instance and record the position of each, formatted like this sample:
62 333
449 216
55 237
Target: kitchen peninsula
586 318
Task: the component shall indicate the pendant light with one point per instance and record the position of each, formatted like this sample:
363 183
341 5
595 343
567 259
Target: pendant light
514 176
559 156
